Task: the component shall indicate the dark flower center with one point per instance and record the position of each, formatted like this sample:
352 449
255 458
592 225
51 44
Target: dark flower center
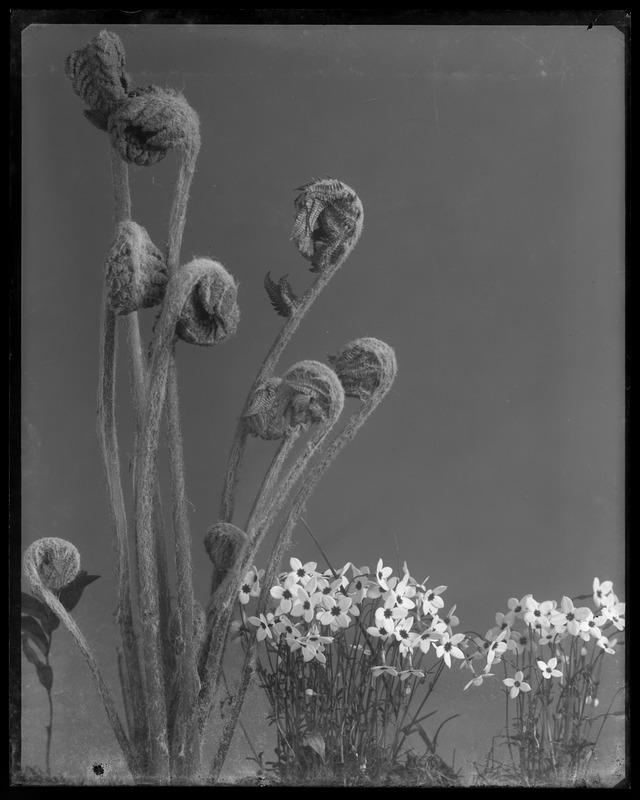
246 588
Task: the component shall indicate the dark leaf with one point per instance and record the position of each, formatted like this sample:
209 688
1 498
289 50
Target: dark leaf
31 605
36 608
33 629
45 674
30 653
71 593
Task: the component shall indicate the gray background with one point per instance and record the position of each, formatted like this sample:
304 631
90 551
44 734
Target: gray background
490 162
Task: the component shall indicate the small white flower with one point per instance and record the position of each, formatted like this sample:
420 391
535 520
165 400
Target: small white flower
301 572
549 668
607 644
401 632
517 609
285 594
449 647
334 611
263 625
386 617
615 614
432 601
569 617
537 614
497 647
516 685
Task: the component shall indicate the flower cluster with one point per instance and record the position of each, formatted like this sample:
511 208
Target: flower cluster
552 656
528 626
311 607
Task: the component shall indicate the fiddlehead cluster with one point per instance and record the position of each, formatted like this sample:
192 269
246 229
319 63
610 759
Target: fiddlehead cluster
198 305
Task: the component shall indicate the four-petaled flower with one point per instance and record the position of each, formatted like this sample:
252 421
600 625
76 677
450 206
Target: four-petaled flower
381 633
250 586
537 614
301 572
305 603
607 644
497 647
284 627
549 668
615 614
516 685
312 645
449 647
334 611
285 594
517 609
590 627
263 625
386 617
432 601
401 632
401 594
359 583
568 617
